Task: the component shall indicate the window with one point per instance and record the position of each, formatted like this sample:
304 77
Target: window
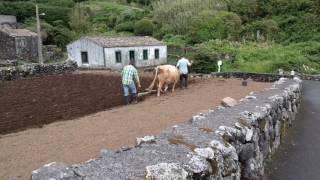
156 54
22 42
118 57
131 55
84 57
145 54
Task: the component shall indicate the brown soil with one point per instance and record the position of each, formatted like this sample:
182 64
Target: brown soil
78 140
35 102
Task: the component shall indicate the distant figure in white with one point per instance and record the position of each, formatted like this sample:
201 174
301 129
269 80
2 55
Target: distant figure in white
183 65
219 65
281 72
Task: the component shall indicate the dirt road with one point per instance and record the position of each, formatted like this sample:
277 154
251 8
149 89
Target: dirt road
78 140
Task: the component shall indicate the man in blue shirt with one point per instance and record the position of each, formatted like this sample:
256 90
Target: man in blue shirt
183 65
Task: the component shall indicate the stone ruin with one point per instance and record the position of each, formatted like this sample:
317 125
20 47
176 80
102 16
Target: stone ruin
16 44
228 143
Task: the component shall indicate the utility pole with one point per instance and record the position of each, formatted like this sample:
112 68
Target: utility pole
39 36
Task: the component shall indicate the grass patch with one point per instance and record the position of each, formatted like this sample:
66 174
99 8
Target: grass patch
259 57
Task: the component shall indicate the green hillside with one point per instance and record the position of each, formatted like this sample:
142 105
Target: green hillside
251 35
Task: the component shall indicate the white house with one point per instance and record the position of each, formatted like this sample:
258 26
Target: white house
115 52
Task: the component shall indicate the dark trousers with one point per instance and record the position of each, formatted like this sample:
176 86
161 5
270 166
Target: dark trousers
183 80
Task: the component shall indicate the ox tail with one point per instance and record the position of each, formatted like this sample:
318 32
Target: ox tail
154 80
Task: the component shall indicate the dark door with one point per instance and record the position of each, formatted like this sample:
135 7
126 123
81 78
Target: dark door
84 57
132 57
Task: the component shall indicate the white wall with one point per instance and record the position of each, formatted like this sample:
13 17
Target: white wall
111 59
8 19
105 57
95 53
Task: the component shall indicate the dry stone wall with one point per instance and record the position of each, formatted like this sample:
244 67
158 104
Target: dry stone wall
260 77
224 144
34 70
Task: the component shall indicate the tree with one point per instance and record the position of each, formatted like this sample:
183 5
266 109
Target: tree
80 19
61 36
247 9
55 33
220 25
265 29
142 2
79 1
46 29
179 14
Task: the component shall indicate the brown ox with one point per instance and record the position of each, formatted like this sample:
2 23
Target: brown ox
166 75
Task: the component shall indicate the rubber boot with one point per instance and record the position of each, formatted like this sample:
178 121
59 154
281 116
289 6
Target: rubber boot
181 81
134 98
127 100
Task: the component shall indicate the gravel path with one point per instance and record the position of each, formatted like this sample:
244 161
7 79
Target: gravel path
78 140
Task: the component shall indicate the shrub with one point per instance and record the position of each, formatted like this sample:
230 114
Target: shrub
131 15
207 54
144 27
126 26
176 40
204 63
141 2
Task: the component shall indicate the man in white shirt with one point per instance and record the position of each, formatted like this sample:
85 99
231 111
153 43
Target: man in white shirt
183 65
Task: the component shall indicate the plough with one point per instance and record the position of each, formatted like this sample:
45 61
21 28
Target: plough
147 92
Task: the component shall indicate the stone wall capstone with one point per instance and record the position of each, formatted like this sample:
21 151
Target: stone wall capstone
260 77
224 144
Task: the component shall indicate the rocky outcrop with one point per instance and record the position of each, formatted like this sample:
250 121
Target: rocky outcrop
34 70
231 143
